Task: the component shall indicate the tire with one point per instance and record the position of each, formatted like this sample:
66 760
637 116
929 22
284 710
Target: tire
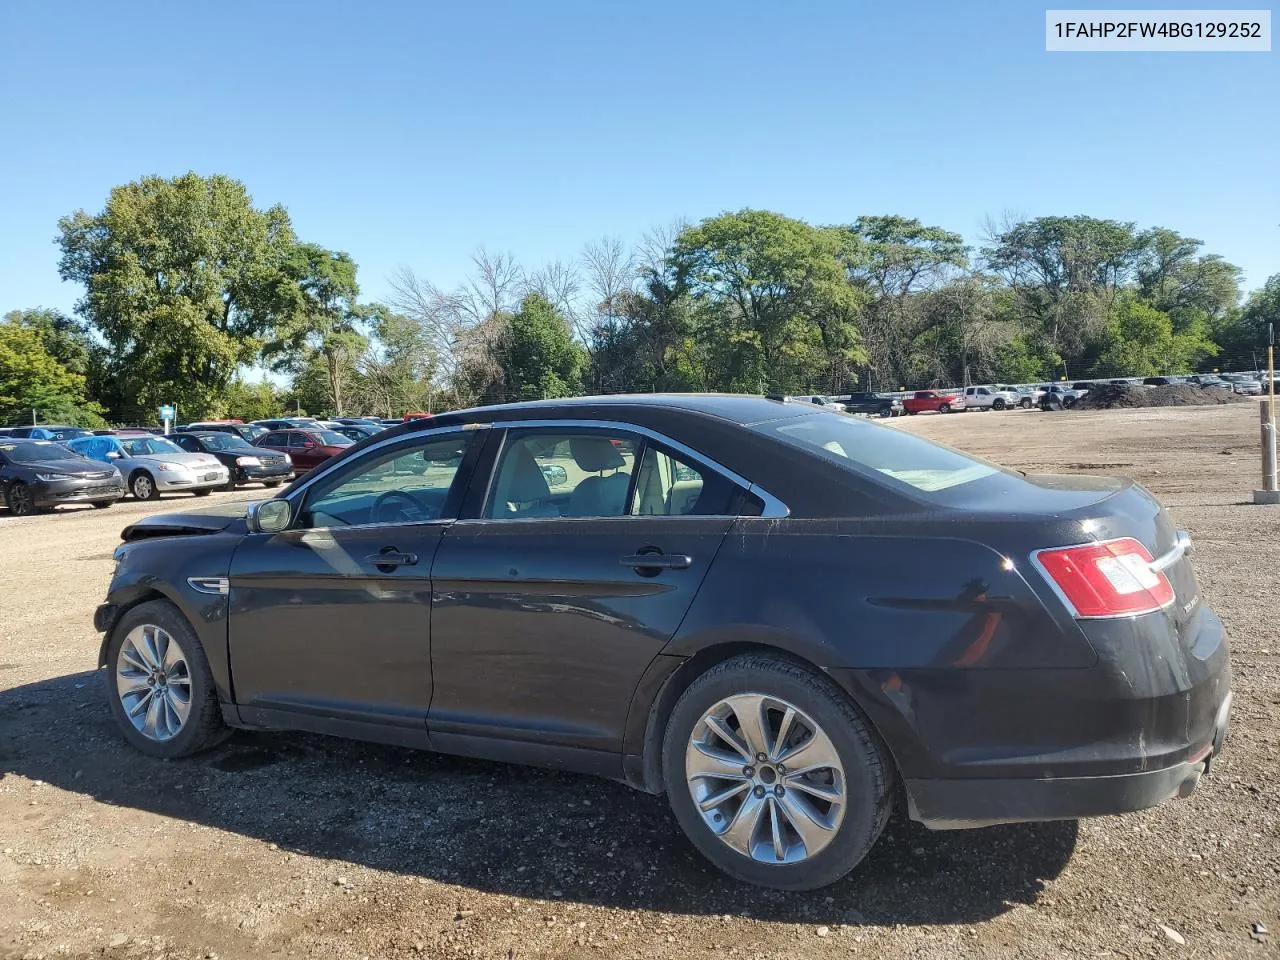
998 403
866 774
143 486
202 493
19 501
912 412
272 483
230 485
103 504
886 411
203 726
944 408
1025 403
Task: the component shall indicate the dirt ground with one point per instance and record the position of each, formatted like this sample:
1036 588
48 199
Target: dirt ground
292 845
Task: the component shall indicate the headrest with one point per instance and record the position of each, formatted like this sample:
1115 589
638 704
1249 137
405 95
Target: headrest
594 454
527 482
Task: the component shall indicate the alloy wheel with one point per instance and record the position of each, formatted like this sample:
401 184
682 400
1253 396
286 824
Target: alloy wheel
20 502
153 682
765 778
142 487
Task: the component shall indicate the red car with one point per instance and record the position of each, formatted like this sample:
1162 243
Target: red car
306 448
934 400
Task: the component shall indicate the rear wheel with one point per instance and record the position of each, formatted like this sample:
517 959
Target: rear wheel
202 493
143 486
102 504
774 774
159 686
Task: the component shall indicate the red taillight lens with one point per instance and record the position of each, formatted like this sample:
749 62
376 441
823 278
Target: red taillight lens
1112 579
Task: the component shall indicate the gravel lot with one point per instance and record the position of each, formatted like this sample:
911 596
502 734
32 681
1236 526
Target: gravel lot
291 845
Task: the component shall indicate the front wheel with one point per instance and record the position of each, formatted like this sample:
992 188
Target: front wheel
774 774
159 687
20 501
202 493
103 504
272 483
1025 403
997 403
143 487
886 411
945 408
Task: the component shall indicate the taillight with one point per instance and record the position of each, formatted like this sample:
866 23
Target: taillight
1112 579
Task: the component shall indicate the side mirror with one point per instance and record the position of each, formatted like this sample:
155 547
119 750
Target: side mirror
113 454
268 516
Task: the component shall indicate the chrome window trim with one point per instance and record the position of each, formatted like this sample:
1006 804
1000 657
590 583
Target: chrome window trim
774 509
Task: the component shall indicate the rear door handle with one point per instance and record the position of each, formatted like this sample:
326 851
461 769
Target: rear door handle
663 561
392 558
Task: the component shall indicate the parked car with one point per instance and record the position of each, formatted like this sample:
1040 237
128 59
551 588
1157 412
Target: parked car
1055 394
289 423
1052 659
874 404
933 400
307 448
49 431
362 422
1159 381
1081 387
154 465
989 398
1243 385
355 432
245 463
245 431
37 475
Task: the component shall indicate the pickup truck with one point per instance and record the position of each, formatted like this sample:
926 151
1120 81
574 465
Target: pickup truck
934 400
989 398
873 403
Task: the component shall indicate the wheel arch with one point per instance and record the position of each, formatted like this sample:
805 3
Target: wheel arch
668 677
135 598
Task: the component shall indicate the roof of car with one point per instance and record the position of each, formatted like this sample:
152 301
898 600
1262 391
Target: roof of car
733 407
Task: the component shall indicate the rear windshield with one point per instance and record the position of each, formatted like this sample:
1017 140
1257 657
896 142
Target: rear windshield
887 451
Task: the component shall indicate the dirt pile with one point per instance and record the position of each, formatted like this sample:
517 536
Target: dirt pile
1110 396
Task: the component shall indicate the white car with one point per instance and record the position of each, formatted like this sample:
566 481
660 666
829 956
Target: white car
153 465
990 398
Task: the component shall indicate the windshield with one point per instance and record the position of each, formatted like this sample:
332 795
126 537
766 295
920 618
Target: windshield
148 446
888 451
224 441
331 438
252 430
37 451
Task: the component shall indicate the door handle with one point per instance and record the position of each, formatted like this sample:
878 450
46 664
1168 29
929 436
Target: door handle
658 561
391 559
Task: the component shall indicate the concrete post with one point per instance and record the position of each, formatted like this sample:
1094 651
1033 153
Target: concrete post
1269 492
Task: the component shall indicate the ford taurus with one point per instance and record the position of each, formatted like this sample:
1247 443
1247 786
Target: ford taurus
642 588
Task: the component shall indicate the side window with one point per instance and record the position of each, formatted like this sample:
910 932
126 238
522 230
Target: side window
295 440
271 440
185 442
668 486
562 473
411 483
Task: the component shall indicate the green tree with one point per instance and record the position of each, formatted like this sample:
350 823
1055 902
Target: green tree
1140 342
183 278
776 310
31 379
323 320
252 401
65 338
540 358
397 371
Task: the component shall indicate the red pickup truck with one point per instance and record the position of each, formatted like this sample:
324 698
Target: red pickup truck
933 400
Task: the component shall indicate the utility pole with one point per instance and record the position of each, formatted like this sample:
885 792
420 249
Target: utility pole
1269 493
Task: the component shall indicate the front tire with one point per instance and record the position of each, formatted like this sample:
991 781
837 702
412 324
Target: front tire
945 408
143 486
1025 403
272 483
202 493
20 501
103 504
997 403
725 761
159 687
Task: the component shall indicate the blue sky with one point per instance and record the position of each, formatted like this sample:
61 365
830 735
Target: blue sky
411 133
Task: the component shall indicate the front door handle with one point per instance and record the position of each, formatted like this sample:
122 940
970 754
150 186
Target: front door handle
390 558
658 561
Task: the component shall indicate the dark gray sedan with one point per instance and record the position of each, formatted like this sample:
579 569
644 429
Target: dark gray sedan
783 618
37 475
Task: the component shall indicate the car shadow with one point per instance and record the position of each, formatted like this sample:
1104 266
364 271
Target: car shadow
499 828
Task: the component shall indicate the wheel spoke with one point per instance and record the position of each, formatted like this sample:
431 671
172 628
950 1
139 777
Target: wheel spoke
805 820
816 753
133 684
180 705
823 791
779 846
706 761
151 651
751 723
133 658
742 830
143 703
172 655
716 799
784 729
729 737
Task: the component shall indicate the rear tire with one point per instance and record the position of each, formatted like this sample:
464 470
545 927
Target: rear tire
851 766
202 493
202 726
103 504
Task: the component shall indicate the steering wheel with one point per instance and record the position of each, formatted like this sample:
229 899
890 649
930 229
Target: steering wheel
399 506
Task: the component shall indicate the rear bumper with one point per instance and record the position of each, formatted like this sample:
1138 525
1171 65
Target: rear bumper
962 804
977 747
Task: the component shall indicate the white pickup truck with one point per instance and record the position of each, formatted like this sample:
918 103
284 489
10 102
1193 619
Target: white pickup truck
989 398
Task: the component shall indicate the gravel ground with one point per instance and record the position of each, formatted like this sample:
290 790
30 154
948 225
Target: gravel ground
292 845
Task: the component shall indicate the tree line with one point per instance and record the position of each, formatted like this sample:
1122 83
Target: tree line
186 285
